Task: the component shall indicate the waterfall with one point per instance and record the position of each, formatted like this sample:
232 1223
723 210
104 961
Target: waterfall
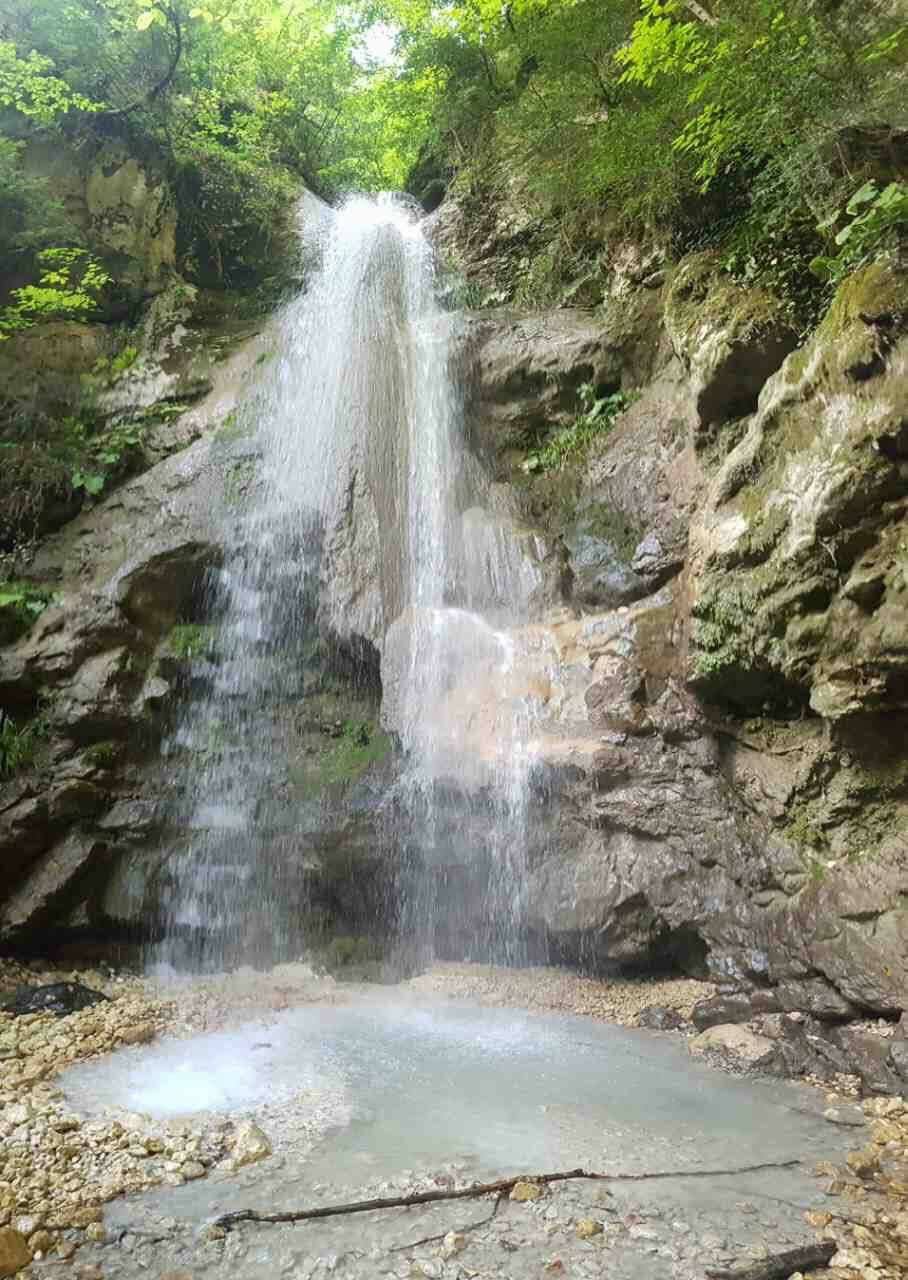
359 517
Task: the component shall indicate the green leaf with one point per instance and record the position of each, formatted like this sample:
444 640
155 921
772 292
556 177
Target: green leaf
144 20
864 195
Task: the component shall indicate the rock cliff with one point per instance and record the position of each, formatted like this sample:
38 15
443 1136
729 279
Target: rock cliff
715 642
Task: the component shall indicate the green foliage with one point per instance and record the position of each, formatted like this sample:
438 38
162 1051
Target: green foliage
57 461
97 458
597 417
69 286
21 743
20 604
874 222
721 629
28 87
107 369
716 124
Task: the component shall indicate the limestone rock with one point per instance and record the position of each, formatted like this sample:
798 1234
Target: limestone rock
248 1144
454 1243
524 1192
121 203
527 371
14 1251
587 1228
736 1042
731 338
658 1018
141 1033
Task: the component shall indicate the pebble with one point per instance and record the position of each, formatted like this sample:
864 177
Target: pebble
523 1192
850 1116
454 1242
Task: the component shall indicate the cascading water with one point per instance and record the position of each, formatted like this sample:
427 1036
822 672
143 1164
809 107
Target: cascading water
357 421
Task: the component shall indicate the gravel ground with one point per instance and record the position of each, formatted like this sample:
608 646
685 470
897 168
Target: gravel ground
59 1170
619 1000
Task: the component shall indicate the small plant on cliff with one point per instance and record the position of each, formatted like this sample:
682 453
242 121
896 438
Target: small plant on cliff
20 605
20 743
874 222
598 414
102 456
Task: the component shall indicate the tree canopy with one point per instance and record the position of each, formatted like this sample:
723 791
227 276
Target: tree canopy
719 119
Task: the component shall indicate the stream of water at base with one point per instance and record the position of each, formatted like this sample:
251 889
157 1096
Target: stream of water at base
394 1090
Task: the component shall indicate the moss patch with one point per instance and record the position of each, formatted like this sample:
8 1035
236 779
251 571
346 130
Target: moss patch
22 743
360 745
191 640
103 755
604 521
703 296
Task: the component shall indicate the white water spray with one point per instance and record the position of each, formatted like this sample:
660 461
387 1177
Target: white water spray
354 470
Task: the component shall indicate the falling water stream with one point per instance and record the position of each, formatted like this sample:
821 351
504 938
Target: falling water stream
357 418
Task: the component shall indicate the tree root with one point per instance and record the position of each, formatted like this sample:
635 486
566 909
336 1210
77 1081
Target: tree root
781 1265
499 1188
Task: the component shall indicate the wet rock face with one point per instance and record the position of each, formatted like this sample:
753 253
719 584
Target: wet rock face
799 578
85 683
58 998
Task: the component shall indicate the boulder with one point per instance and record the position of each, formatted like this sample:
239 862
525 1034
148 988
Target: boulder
733 1006
797 586
58 998
121 203
656 1017
525 371
731 1041
247 1144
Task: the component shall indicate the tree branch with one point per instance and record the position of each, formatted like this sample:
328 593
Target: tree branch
699 12
781 1265
228 1220
166 80
471 1226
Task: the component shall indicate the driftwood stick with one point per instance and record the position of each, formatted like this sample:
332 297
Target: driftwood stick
470 1226
228 1220
781 1265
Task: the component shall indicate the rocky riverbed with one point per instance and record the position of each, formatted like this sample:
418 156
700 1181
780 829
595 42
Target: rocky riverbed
71 1179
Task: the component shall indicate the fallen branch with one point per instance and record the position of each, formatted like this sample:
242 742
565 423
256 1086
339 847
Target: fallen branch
471 1226
781 1265
503 1185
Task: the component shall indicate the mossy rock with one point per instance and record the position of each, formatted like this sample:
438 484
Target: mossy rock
731 337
